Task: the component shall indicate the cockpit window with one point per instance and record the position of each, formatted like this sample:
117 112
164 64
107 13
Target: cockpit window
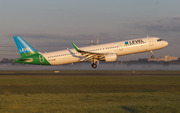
159 40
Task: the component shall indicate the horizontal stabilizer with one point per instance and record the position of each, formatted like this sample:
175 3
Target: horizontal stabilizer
24 59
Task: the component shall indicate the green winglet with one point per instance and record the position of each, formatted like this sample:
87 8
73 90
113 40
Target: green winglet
75 47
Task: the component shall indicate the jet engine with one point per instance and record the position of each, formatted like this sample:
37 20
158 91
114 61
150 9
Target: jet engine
111 57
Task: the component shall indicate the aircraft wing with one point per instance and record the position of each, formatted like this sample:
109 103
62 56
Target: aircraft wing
89 56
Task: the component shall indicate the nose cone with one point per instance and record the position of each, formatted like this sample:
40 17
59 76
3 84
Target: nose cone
165 43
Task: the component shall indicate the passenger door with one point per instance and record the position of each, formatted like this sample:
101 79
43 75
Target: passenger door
151 42
120 47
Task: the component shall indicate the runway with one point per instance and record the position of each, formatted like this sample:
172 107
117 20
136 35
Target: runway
91 74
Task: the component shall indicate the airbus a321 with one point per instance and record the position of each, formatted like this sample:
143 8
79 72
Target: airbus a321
107 52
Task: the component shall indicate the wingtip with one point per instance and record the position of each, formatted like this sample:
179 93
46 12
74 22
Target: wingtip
74 46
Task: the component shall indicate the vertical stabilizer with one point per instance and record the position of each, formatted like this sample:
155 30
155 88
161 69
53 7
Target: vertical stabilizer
23 47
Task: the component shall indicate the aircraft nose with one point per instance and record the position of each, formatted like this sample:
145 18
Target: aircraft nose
165 43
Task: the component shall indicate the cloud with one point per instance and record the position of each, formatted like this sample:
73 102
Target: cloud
55 36
161 25
176 18
56 39
51 42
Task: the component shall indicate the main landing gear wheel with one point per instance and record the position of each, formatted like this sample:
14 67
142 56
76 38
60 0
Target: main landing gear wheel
94 65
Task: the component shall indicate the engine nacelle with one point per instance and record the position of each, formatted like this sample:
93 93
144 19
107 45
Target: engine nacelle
111 57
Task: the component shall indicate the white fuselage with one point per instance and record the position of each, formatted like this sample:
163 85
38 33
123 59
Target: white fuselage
120 48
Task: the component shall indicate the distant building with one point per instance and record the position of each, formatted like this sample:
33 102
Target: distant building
142 60
167 58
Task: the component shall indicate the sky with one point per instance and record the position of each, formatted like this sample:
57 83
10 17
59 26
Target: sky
50 25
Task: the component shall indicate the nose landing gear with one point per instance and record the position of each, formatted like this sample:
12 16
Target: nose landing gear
152 56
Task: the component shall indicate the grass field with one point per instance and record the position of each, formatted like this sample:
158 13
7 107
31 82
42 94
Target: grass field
90 94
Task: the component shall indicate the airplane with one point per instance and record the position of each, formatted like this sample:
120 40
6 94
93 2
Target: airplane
106 52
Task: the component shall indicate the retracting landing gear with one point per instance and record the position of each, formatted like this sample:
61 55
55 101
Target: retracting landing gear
152 56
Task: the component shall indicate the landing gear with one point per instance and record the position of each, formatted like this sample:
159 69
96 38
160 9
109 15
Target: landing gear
94 65
152 56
